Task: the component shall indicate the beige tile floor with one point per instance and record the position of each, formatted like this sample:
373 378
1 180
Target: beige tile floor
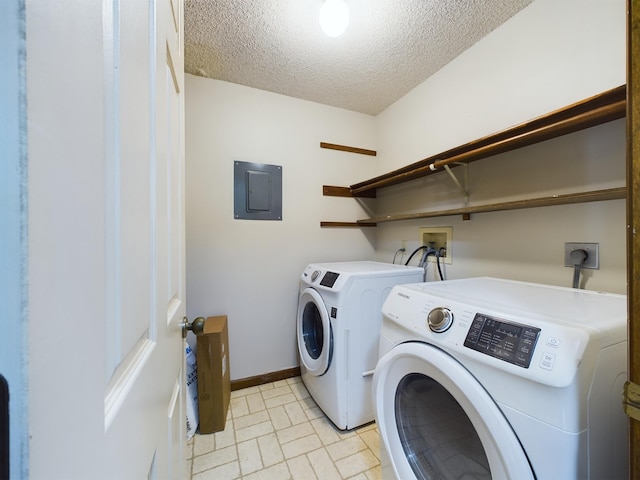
277 432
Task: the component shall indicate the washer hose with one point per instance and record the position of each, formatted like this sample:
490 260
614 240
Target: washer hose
438 254
421 247
423 262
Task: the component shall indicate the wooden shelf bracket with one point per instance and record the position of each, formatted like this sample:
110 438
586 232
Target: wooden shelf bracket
464 189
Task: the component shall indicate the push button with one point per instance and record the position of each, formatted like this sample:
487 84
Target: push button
553 342
547 361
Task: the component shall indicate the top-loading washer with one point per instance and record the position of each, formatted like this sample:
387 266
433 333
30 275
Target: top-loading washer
338 324
489 378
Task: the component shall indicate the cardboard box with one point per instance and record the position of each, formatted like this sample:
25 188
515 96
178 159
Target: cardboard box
214 384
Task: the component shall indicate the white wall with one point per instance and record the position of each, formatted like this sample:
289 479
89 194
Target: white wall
249 270
549 55
553 53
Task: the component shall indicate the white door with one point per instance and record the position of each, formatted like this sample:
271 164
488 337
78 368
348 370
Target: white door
105 239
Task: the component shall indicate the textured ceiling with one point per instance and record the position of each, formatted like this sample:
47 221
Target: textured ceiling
390 46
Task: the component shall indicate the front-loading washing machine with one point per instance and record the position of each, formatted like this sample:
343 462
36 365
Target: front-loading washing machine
487 378
338 327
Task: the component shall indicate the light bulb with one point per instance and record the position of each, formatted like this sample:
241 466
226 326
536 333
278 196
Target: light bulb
334 17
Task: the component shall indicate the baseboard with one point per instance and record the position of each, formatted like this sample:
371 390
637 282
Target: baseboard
264 378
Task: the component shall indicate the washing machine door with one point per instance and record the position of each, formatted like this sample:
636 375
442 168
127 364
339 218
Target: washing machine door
437 421
315 342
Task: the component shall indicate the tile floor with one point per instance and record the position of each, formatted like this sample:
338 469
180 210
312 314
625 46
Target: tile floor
277 432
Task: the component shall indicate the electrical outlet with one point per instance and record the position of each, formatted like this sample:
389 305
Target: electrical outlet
403 244
592 249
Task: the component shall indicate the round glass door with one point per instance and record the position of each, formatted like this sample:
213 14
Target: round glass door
437 421
436 435
314 333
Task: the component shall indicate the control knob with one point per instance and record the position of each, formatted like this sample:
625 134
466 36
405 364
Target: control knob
314 275
440 319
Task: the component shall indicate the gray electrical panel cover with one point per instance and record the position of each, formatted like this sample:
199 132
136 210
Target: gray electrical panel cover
257 191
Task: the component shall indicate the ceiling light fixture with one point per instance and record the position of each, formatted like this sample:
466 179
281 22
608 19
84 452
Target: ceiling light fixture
334 17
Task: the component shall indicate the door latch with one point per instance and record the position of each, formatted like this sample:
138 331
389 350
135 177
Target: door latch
197 326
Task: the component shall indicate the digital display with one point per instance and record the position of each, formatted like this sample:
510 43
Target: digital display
329 279
508 341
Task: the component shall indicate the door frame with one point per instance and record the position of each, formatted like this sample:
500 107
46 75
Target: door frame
13 234
633 218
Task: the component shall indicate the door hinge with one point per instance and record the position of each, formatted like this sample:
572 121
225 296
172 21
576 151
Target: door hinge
631 400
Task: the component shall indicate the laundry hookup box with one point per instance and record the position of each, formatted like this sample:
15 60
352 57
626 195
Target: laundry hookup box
214 384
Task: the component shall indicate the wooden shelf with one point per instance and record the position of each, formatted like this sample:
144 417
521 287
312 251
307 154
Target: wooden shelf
345 148
582 197
358 224
332 191
596 110
599 109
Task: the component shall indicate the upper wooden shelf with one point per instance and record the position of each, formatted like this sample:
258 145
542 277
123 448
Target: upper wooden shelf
603 108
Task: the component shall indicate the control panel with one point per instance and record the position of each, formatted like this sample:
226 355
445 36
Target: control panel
320 276
329 279
542 333
508 341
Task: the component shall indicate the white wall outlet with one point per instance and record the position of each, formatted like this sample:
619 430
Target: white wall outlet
592 249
